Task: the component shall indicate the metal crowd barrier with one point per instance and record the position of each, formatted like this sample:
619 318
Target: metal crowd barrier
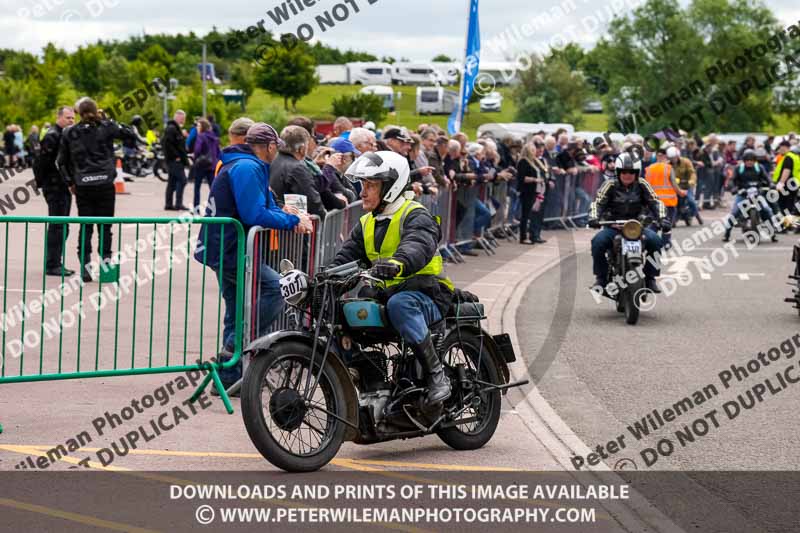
568 204
265 250
57 328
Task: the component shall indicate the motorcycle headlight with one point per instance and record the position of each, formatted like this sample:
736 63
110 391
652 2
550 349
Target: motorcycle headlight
632 230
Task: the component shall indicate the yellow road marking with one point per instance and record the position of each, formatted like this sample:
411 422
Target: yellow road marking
73 517
36 450
431 466
360 465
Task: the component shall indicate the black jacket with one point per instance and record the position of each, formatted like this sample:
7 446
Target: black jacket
86 153
745 177
288 175
174 144
419 243
44 168
615 201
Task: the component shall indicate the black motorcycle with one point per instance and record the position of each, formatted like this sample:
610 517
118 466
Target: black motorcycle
345 374
144 162
627 254
751 221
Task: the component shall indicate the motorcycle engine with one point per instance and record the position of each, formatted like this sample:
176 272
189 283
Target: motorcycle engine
375 402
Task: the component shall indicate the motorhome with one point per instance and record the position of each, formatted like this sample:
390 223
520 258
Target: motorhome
436 101
333 74
416 74
369 73
384 91
521 130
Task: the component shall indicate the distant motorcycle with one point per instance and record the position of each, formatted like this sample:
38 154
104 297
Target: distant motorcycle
627 255
144 162
750 222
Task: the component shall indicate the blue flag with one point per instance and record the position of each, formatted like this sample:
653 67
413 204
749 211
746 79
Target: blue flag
471 64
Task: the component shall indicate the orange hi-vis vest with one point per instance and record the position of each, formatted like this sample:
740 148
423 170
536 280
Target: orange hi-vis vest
657 176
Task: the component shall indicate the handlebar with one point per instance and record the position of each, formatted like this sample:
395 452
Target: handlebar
342 271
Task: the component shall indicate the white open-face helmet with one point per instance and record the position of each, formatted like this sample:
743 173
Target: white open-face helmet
388 167
673 153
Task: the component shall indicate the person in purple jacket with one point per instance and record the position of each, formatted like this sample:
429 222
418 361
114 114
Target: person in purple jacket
206 155
241 191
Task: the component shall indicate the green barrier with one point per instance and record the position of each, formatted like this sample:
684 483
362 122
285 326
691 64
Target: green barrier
89 330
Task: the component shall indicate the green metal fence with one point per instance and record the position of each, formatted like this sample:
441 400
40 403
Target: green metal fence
151 309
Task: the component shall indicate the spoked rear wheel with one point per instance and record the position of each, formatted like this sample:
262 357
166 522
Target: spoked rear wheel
291 433
479 412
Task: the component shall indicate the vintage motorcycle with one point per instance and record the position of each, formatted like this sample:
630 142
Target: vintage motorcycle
345 375
751 221
627 255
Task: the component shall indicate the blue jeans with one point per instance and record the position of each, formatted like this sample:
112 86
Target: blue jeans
764 209
688 199
270 305
483 217
604 240
411 312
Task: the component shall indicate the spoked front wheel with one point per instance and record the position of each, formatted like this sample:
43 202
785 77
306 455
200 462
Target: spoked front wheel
477 407
291 432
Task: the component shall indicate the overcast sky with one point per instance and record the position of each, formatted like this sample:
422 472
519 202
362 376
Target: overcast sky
417 29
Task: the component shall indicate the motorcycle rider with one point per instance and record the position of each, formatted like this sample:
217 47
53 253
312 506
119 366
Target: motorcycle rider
624 198
399 238
686 177
130 145
749 174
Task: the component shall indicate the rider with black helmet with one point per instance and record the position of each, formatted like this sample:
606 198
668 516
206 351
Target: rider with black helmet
749 173
627 197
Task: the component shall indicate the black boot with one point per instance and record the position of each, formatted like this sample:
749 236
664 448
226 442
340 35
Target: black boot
727 236
699 219
438 384
86 274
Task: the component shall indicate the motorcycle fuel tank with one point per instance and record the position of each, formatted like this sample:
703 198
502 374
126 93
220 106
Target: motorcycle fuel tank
364 314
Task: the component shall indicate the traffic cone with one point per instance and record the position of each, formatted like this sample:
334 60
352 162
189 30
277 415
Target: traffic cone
119 181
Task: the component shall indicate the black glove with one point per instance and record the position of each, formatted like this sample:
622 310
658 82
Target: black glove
385 269
465 296
594 223
666 225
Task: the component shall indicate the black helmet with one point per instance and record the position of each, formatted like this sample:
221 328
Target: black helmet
137 120
749 155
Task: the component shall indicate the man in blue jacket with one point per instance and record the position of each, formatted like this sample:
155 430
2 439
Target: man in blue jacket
241 191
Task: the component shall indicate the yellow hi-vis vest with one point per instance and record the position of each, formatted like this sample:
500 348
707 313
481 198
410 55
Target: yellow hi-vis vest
776 174
391 242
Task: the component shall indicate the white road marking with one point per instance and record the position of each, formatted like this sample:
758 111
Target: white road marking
679 265
744 276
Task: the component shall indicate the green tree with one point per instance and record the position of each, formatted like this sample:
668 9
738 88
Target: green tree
289 73
572 54
243 79
549 91
657 58
442 58
83 67
366 106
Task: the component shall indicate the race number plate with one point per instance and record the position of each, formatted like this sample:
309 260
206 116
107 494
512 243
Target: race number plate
631 247
292 284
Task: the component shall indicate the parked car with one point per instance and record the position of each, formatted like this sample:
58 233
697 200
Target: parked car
594 106
492 102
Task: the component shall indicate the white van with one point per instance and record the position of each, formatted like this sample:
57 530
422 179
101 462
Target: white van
384 91
415 74
436 101
369 73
